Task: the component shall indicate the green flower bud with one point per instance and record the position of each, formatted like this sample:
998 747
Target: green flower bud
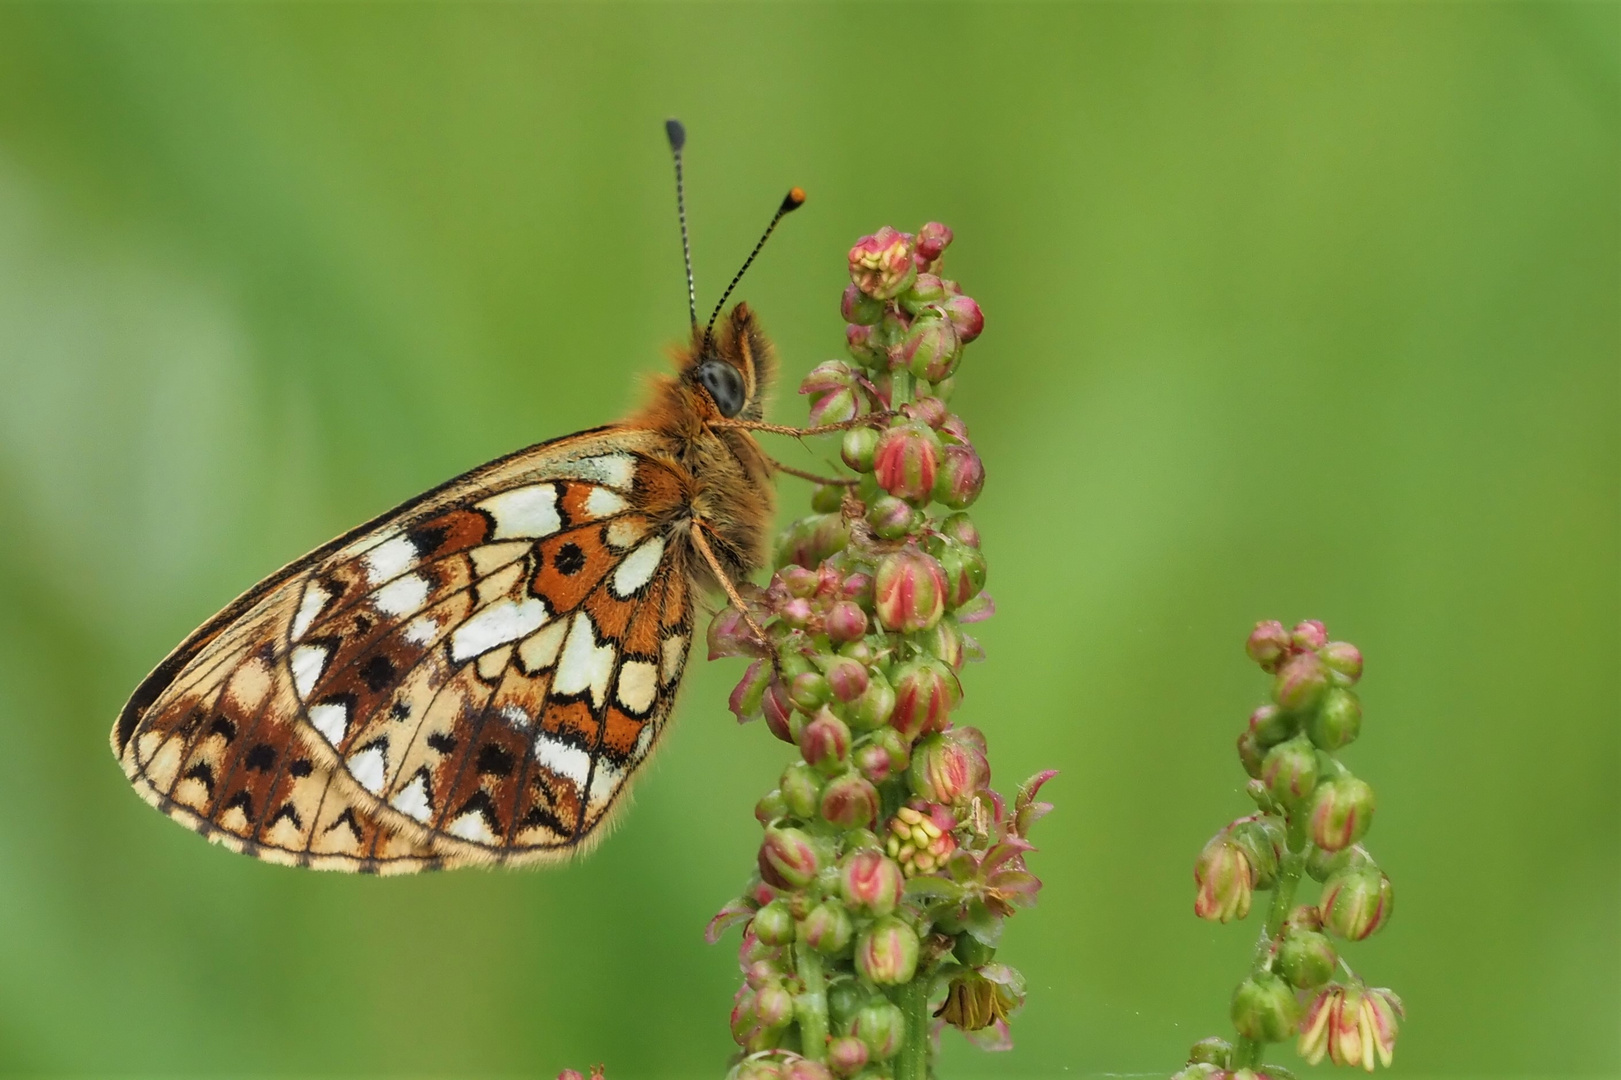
844 999
892 518
801 789
881 1026
1290 771
1273 725
1322 865
850 802
1211 1051
770 807
1307 958
857 447
774 923
1356 903
972 952
792 855
1341 811
824 742
846 1055
827 928
1251 754
1343 660
1262 839
873 708
1338 720
886 952
1264 1009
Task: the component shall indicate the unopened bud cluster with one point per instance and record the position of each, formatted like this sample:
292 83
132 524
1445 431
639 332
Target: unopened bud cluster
887 864
1312 815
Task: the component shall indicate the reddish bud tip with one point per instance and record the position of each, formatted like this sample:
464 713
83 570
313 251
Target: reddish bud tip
881 264
909 591
905 460
1267 644
886 953
870 882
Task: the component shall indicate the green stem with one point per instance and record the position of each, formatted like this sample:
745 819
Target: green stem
900 388
811 1007
1247 1054
912 1063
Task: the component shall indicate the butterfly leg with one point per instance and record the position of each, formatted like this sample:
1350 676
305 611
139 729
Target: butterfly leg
701 542
842 481
822 429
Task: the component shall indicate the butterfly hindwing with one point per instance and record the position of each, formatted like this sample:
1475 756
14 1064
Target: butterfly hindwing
471 678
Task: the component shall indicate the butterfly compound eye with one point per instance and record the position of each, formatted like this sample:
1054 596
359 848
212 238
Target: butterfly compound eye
724 384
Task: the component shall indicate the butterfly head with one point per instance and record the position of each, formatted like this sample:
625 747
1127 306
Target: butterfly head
732 366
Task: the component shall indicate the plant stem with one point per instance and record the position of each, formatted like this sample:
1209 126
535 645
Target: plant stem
1247 1054
912 1063
900 388
811 1008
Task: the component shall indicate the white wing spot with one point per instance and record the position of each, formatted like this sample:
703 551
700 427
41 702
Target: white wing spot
307 662
638 684
401 596
413 801
602 503
604 782
562 759
390 559
539 650
585 664
368 767
331 720
515 716
615 470
315 598
674 651
624 532
471 826
422 630
496 625
524 512
637 568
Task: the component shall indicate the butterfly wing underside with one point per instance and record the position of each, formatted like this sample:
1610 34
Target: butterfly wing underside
471 678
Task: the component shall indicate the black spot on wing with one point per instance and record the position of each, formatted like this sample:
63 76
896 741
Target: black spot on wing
495 760
377 672
444 744
223 725
262 758
301 768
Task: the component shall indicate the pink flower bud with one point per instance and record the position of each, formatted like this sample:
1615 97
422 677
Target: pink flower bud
749 693
800 581
846 622
846 678
1264 1009
960 478
827 928
961 528
1356 903
828 376
1268 644
773 1007
1224 880
857 448
846 1055
834 407
1300 682
824 742
930 349
805 1069
1310 634
859 308
1341 812
812 539
873 761
881 264
777 708
930 411
925 693
1251 754
796 612
792 855
870 882
948 769
932 241
1337 721
905 461
863 346
729 635
1343 659
850 802
965 316
927 289
857 588
886 953
881 1027
909 591
892 518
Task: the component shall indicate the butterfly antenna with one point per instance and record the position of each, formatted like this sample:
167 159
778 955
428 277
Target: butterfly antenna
677 134
790 202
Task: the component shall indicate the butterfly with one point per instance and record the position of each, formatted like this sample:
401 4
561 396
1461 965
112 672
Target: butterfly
474 677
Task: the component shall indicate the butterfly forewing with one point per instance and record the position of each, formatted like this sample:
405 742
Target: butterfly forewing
471 678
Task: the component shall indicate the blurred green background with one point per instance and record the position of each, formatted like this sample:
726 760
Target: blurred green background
1292 311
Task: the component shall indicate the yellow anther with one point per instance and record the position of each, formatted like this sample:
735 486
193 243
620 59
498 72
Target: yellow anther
908 815
931 828
920 837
